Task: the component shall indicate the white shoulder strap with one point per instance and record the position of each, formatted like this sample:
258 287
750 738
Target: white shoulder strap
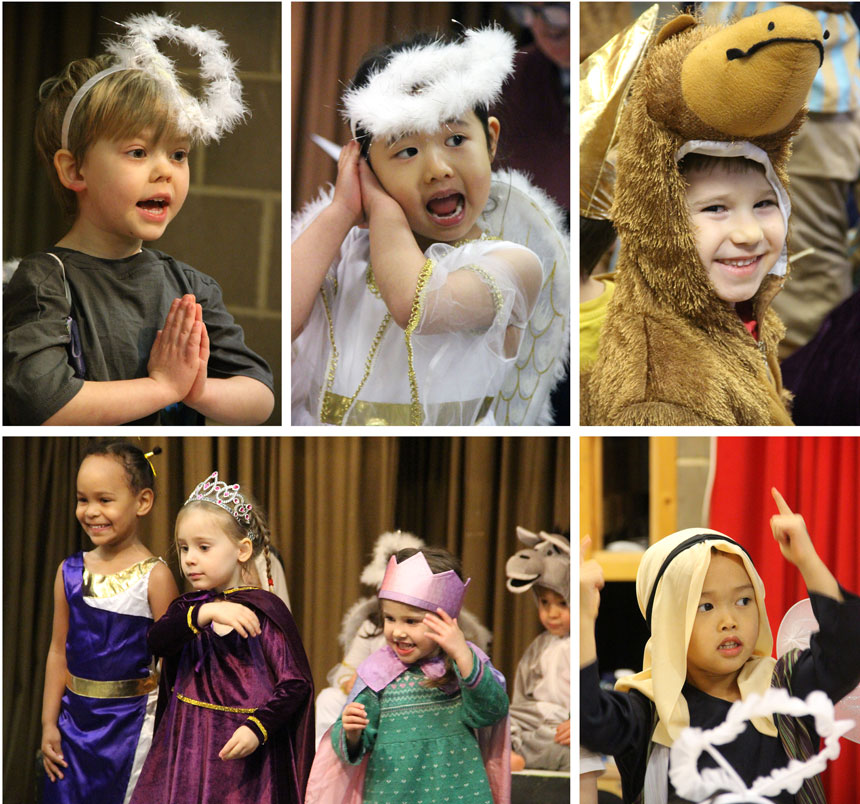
65 283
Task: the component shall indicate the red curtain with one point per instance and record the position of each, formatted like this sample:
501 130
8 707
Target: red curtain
820 479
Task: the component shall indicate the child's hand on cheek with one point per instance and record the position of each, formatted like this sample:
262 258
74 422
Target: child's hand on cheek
376 201
790 533
347 188
445 632
242 743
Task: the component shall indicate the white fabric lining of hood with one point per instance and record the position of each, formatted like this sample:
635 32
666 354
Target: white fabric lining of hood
748 151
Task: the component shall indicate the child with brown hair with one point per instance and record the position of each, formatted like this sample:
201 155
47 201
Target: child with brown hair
98 329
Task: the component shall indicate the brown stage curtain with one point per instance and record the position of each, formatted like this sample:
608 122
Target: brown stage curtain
327 499
328 43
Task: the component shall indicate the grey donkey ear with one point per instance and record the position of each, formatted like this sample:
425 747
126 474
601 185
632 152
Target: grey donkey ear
527 537
559 541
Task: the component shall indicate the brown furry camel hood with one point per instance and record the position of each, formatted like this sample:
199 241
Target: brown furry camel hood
744 82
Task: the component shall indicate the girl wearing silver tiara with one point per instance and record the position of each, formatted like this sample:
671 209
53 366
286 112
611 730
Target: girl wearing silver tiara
412 285
236 707
97 329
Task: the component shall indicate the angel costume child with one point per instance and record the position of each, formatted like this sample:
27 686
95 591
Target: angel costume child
540 703
236 675
685 579
96 328
430 708
451 305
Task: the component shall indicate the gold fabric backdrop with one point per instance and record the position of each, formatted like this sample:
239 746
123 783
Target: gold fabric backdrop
327 499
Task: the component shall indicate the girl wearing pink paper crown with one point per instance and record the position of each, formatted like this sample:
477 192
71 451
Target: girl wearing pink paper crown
426 289
236 705
427 716
96 328
101 680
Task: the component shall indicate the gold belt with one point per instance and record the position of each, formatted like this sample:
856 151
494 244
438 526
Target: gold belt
129 688
392 413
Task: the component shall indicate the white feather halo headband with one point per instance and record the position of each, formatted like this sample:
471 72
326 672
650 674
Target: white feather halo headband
424 86
724 782
203 120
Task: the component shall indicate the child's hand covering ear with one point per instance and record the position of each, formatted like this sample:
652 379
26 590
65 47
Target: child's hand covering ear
347 188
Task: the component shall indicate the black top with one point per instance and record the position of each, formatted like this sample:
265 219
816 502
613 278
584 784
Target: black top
119 305
621 723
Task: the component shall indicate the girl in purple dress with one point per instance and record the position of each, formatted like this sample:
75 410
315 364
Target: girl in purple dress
235 717
101 685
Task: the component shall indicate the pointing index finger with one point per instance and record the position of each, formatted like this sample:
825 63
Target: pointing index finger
781 504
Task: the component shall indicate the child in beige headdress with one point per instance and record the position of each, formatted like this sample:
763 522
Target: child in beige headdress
711 645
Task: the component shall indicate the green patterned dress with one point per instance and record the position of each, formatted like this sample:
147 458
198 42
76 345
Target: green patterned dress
422 744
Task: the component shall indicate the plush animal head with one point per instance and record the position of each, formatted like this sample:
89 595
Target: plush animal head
746 81
545 562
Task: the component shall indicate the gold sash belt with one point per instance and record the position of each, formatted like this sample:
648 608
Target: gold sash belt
392 413
129 688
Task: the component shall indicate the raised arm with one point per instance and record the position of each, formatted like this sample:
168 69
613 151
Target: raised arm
316 248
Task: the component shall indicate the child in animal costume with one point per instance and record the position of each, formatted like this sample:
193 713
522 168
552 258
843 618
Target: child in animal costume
427 290
540 704
361 633
687 341
427 718
711 645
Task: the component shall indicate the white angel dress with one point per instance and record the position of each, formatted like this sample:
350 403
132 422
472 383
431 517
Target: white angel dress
352 364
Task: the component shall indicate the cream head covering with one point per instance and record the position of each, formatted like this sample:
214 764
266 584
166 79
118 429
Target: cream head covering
668 587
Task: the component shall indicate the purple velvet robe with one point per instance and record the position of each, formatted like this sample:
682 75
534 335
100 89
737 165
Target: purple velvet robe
225 682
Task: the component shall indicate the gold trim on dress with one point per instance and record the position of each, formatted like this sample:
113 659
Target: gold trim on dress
260 726
191 625
216 707
416 414
128 688
95 585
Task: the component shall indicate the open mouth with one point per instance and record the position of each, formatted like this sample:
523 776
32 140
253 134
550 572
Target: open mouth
403 648
730 647
154 207
447 210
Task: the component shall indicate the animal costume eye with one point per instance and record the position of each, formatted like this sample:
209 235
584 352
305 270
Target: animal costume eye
770 26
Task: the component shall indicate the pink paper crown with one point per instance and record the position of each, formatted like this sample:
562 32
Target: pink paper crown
217 492
413 582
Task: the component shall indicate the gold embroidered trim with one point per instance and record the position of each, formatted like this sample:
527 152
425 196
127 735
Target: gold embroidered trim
216 707
95 585
260 726
498 300
191 624
371 282
370 414
416 416
327 414
127 688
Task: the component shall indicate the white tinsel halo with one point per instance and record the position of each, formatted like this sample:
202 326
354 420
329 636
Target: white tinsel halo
222 108
387 544
724 782
424 86
204 120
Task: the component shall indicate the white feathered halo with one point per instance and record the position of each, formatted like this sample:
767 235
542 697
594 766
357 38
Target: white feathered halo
206 120
424 86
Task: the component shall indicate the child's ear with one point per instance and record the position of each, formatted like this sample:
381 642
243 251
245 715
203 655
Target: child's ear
146 497
246 550
494 127
67 171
